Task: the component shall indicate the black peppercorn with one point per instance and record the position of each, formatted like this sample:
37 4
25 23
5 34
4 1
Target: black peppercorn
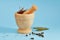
42 35
42 32
37 34
29 34
32 38
26 35
32 33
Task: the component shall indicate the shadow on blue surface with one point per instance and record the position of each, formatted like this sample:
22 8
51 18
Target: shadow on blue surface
7 30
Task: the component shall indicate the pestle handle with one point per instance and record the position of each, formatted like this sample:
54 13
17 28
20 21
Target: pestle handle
31 10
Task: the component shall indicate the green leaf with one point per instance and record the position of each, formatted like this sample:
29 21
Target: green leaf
40 28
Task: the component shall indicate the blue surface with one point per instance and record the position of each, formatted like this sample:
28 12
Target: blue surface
47 15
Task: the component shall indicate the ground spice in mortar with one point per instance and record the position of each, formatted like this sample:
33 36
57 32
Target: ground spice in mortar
21 11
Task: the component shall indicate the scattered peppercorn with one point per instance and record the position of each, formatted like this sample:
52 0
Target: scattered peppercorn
42 32
26 35
33 33
42 35
37 34
32 38
30 34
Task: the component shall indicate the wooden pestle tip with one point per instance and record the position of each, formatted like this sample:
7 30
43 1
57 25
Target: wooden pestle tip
34 7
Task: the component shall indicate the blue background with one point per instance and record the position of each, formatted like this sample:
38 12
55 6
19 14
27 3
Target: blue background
47 15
